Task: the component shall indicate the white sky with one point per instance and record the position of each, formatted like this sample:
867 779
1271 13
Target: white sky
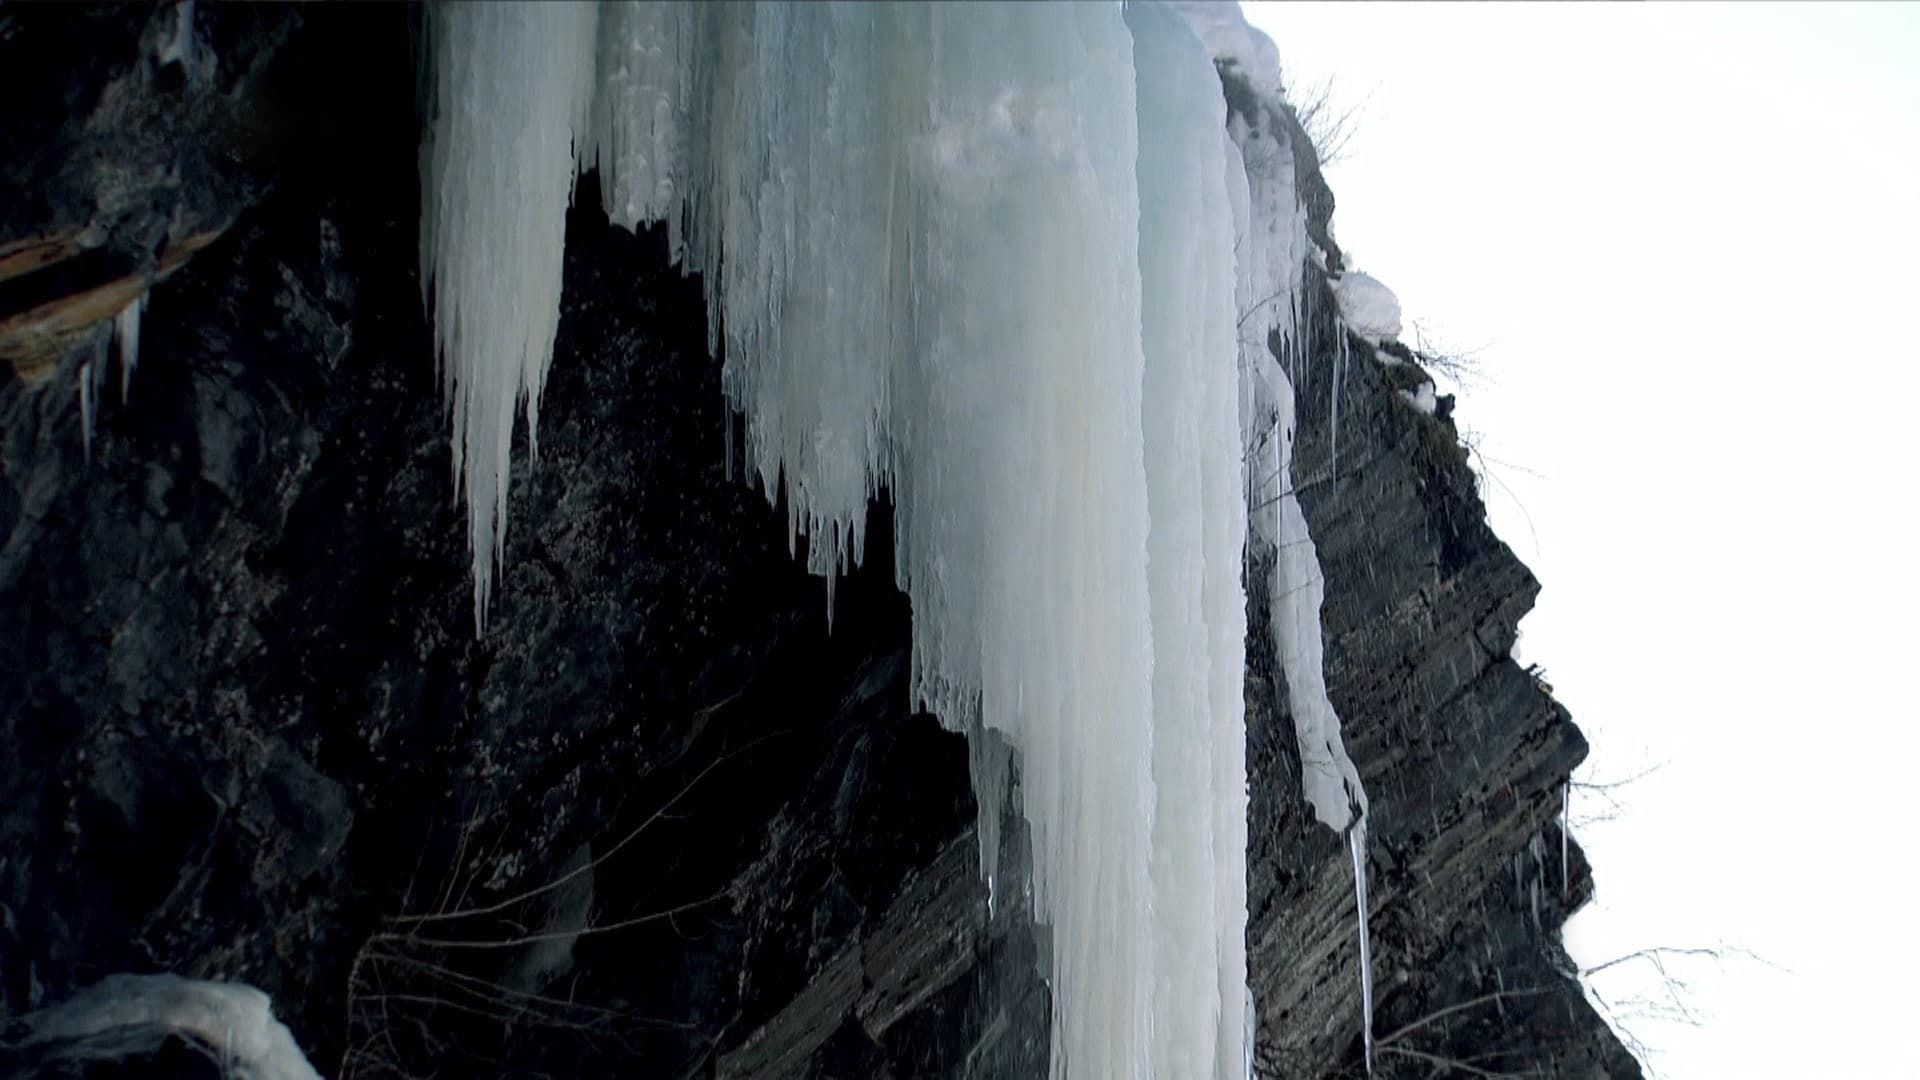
1684 241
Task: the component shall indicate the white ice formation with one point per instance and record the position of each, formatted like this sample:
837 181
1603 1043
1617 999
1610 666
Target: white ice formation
1369 308
125 337
232 1023
510 95
1274 249
1001 261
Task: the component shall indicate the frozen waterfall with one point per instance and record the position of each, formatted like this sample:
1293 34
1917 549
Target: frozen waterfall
998 260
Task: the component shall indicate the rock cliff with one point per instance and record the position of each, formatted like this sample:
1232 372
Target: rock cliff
659 820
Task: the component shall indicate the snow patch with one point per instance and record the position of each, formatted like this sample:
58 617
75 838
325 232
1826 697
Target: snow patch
1369 308
1423 397
1231 40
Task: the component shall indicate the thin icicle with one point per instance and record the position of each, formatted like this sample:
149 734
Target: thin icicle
126 329
1342 350
86 408
1253 1031
1566 826
1537 848
93 377
1357 843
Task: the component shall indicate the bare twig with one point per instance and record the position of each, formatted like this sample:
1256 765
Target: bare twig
1453 1063
1439 1014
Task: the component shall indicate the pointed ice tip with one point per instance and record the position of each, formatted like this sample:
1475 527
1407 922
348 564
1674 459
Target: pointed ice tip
1357 842
86 411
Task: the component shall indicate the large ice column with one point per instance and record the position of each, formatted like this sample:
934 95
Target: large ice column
1021 484
509 109
919 229
923 231
1191 428
642 111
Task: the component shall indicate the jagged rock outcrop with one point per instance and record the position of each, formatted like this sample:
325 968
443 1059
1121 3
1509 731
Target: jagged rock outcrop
658 820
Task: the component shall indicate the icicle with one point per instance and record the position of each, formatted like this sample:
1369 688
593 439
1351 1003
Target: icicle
93 374
126 328
1357 843
1537 847
1252 1030
178 48
86 408
511 97
1340 352
1566 826
830 534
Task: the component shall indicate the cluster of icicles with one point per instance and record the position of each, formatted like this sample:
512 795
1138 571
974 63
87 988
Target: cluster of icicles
1011 264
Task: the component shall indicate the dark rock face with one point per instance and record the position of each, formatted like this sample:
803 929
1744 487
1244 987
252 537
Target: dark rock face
1463 753
658 819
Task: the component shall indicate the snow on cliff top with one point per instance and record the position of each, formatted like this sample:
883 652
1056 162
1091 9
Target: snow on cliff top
1227 35
1367 307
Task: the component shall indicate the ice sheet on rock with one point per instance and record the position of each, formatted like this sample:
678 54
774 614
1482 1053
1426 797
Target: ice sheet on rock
1423 397
1295 588
1273 251
1271 242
